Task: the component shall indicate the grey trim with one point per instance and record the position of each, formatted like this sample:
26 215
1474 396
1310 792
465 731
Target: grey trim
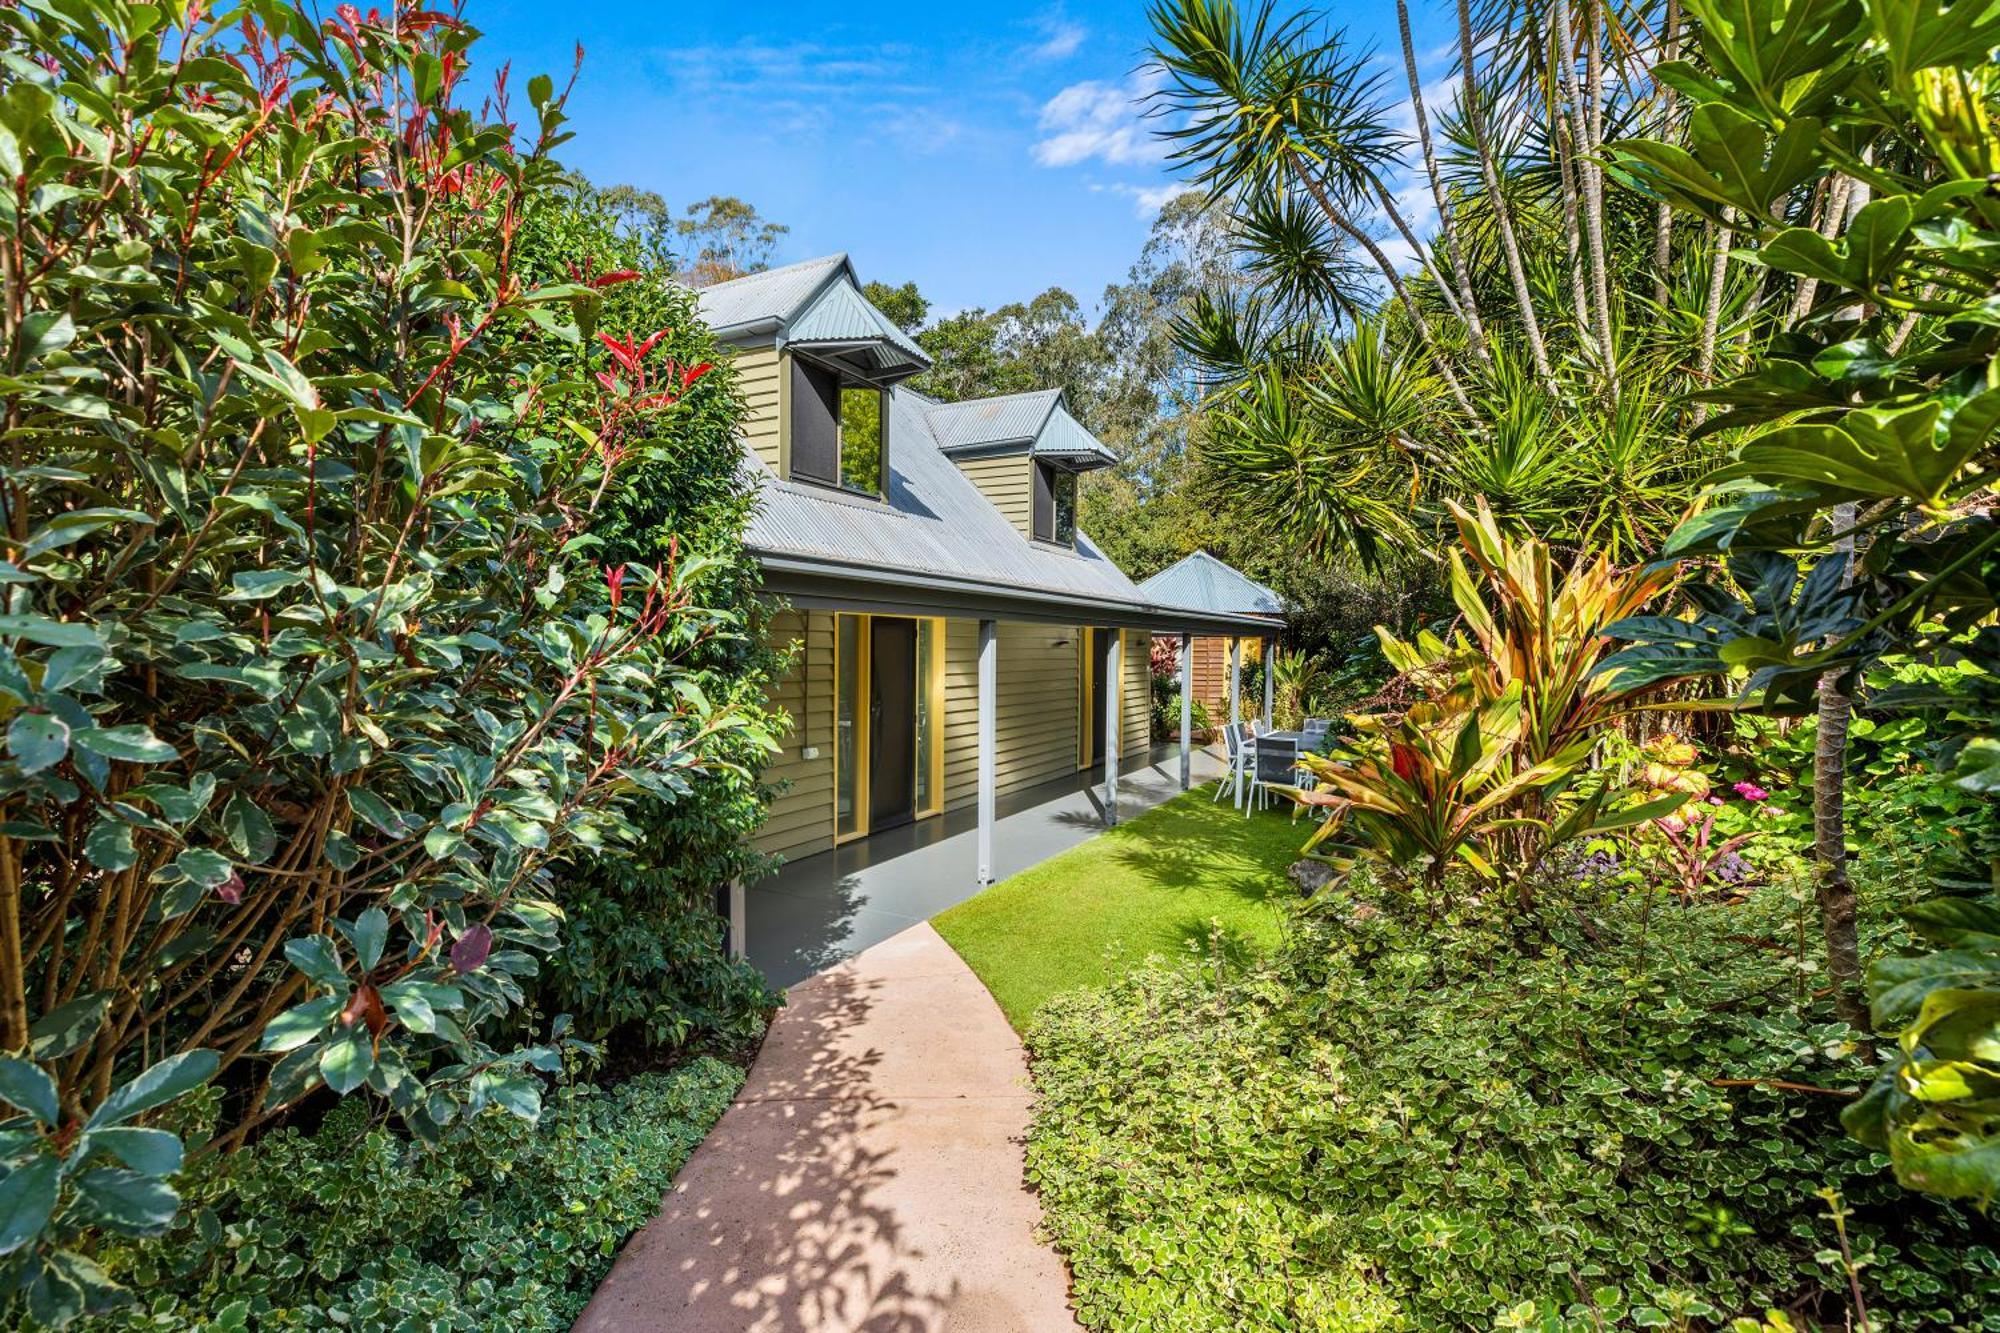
827 585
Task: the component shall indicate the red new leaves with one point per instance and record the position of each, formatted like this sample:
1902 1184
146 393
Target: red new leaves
632 391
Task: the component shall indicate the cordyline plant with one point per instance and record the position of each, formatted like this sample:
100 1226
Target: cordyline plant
308 681
1482 771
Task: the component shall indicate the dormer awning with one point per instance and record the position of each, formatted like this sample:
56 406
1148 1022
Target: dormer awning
840 325
1038 423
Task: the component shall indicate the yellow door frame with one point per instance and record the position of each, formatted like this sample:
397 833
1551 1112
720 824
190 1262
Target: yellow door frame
864 738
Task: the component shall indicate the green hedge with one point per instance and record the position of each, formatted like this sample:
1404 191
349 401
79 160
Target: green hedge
357 1227
1412 1125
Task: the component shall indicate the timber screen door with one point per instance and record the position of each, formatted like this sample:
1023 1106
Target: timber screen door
892 722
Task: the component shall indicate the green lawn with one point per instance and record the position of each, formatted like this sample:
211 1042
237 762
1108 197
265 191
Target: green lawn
1149 886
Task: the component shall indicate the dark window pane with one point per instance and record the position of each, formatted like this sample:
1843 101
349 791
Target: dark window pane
1043 519
861 440
1065 507
815 423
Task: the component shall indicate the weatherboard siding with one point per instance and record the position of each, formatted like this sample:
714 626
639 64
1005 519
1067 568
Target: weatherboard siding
1007 482
760 380
801 817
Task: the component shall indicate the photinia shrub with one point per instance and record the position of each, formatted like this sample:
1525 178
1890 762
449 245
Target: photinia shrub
310 678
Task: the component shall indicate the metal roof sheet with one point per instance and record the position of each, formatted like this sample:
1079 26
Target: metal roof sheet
1010 418
1204 583
841 314
1040 419
777 294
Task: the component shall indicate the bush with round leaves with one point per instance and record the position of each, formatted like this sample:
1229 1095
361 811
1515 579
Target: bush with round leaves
311 681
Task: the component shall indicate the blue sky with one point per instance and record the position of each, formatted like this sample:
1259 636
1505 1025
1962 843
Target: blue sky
986 150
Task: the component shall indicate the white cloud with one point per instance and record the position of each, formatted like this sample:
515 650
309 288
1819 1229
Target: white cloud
1101 120
1061 38
1147 200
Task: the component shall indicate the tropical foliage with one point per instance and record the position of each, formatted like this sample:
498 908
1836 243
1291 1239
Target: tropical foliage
1484 769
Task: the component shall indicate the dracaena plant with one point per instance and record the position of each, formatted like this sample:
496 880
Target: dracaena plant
308 679
1485 770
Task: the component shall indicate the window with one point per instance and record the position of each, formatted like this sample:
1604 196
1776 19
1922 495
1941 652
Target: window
837 429
1055 504
861 439
930 717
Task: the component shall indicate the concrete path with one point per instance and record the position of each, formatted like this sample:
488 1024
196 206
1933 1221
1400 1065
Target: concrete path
869 1176
821 909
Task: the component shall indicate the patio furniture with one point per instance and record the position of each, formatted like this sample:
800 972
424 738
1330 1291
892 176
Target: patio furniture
1232 741
1275 763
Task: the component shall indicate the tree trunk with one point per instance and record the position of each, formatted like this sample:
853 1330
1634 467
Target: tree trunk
1589 118
1833 213
1461 275
1561 136
1663 221
1711 315
1833 887
1489 174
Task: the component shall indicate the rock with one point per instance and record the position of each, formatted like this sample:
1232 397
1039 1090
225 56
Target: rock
1310 876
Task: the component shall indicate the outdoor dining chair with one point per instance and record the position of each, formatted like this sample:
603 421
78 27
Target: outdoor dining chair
1232 741
1275 764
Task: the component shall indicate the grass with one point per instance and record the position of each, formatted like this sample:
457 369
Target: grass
1150 886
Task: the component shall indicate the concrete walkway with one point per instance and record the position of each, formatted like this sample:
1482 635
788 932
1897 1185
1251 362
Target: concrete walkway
821 909
869 1176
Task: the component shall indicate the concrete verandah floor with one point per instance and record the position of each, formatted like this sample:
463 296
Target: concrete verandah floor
824 908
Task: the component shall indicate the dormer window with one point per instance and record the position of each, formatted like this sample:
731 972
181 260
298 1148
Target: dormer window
1055 504
838 431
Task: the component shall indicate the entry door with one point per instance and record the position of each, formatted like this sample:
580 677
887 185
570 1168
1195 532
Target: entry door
892 722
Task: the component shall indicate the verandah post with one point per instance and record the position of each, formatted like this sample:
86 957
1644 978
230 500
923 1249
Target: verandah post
1115 685
989 689
1270 692
1187 710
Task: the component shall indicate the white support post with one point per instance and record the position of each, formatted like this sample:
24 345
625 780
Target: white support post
1235 679
1114 671
989 709
1270 677
1187 710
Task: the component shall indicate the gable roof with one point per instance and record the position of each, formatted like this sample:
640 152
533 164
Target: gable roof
1040 419
935 540
814 303
1200 580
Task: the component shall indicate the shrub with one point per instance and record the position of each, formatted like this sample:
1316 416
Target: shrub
310 675
510 1225
1404 1125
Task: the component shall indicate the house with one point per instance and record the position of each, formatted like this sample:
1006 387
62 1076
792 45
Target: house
955 637
1200 580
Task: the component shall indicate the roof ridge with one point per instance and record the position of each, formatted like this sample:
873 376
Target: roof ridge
837 257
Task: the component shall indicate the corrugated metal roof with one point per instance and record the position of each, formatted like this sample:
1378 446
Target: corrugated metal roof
775 294
841 314
1040 418
1064 437
1010 418
934 521
1207 584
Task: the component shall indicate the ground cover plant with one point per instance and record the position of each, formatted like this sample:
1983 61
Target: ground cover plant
509 1226
1190 874
1619 1111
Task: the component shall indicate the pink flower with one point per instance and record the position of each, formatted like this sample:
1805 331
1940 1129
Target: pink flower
1750 791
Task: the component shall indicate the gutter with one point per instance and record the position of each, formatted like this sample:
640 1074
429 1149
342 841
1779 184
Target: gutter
1071 606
